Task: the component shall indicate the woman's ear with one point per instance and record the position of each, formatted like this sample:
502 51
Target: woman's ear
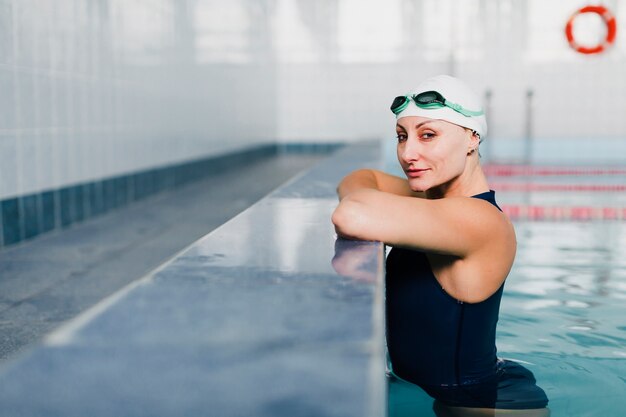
474 142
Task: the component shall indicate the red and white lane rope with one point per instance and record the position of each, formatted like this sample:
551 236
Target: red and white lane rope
529 170
527 187
563 213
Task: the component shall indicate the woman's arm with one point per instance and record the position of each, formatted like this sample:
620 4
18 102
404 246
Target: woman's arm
454 226
374 180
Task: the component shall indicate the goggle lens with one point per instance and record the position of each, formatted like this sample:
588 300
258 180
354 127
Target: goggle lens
430 100
429 97
399 104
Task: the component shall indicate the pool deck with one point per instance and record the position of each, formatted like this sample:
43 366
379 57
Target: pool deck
252 319
57 275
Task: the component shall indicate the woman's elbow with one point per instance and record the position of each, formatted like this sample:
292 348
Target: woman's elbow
346 219
339 217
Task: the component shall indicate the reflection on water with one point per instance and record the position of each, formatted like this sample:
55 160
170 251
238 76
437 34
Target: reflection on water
570 277
562 316
408 400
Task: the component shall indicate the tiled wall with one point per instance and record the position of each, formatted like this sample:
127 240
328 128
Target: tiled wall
97 98
29 215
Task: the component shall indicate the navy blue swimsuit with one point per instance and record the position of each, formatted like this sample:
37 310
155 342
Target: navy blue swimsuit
446 346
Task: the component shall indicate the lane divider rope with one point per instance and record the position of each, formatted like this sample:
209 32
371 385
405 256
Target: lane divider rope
501 186
527 170
563 213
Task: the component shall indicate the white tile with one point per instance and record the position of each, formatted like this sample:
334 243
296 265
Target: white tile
44 163
6 34
8 166
56 159
44 101
7 103
25 99
66 170
27 156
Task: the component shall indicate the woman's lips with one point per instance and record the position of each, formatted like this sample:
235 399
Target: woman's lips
413 173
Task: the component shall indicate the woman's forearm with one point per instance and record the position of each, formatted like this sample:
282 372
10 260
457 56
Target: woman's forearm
357 180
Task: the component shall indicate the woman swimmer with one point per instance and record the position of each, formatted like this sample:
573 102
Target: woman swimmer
452 250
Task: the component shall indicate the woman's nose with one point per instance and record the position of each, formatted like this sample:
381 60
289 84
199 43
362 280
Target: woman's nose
410 150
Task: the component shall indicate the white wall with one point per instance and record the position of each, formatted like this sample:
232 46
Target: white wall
340 102
90 89
94 88
341 89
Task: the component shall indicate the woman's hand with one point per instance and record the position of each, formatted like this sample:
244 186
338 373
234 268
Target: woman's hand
357 180
374 180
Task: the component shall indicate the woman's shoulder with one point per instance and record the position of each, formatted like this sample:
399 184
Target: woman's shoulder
483 221
480 213
483 270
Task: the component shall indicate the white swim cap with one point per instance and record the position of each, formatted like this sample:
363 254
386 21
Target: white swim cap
463 106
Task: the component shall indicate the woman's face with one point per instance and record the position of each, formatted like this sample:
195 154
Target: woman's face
431 152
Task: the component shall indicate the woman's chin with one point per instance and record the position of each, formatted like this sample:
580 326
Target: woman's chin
417 186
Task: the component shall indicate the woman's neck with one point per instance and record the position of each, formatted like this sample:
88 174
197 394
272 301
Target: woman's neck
472 181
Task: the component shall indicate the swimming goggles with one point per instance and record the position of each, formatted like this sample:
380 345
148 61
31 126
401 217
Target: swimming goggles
430 100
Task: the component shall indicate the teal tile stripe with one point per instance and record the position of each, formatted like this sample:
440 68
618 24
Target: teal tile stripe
24 217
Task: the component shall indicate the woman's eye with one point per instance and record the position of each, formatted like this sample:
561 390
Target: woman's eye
401 137
427 135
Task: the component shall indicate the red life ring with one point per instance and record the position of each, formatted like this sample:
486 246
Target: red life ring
611 26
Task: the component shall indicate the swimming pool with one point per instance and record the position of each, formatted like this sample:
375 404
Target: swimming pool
562 312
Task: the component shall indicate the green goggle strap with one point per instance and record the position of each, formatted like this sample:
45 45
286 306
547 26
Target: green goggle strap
436 105
456 107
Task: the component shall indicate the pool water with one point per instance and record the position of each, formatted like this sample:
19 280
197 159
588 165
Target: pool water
562 315
562 312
